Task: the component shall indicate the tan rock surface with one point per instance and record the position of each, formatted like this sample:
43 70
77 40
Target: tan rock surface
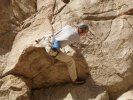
11 17
109 53
6 34
23 9
14 88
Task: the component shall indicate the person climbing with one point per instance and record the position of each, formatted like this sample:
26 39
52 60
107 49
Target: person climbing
66 36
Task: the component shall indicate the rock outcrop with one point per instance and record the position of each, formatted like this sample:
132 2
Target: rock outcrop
108 54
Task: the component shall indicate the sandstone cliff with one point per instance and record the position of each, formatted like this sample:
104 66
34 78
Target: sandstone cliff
29 73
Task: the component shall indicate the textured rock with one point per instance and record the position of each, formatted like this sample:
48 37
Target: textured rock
10 18
109 53
12 13
3 59
118 50
6 34
4 16
13 88
23 9
37 66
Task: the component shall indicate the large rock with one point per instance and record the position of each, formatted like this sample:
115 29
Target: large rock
117 52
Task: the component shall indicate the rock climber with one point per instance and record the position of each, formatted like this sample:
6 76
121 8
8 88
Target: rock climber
66 36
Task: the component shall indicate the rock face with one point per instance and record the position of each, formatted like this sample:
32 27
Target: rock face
23 9
108 54
13 88
10 20
5 35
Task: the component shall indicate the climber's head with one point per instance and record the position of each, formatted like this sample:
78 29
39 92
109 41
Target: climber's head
83 29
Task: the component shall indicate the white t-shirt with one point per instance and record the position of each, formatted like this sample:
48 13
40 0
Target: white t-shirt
67 35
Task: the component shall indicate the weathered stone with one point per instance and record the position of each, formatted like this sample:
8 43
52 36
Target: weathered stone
6 34
23 9
12 13
14 88
109 50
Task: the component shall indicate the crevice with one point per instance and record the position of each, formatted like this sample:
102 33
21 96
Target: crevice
96 18
60 10
55 14
108 33
54 6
